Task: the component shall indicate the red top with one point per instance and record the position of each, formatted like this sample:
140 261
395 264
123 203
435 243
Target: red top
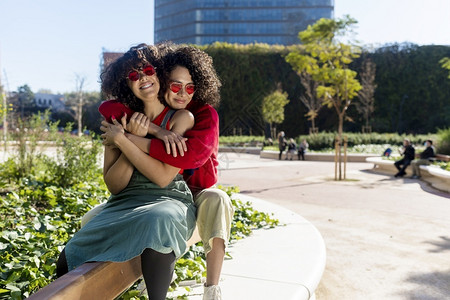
158 120
200 161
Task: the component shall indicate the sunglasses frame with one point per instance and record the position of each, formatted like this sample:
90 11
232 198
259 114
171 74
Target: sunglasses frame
179 86
147 70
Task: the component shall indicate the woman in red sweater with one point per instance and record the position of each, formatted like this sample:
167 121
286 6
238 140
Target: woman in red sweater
190 81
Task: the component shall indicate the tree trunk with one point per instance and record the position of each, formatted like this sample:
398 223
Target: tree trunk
80 115
340 131
313 124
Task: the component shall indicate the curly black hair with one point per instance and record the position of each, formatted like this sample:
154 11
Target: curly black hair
114 83
200 66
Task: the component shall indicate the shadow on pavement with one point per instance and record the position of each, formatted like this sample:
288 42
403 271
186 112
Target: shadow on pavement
425 186
271 188
431 286
441 245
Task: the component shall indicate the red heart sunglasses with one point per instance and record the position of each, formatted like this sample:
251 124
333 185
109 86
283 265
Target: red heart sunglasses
176 87
147 70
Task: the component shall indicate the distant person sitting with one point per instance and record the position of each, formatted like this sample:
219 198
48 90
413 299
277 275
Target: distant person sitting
408 153
423 160
292 148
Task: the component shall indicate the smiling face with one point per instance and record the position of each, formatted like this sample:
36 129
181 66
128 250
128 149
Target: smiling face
179 99
145 87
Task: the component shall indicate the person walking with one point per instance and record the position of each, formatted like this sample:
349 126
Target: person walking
302 149
282 144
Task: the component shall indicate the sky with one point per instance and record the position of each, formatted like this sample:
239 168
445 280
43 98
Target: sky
47 44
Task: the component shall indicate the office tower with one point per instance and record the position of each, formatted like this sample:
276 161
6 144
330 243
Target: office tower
237 21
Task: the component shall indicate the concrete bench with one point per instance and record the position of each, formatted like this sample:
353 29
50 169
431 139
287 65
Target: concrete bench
285 262
436 177
312 156
386 166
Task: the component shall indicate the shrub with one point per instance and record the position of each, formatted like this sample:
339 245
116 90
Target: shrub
443 141
325 140
236 140
40 211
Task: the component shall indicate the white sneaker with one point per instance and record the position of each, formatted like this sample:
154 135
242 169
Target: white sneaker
212 292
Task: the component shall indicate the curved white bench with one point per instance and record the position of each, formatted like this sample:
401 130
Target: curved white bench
285 262
437 177
313 156
386 166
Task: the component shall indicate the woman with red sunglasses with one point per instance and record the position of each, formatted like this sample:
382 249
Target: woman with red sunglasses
214 208
189 81
150 213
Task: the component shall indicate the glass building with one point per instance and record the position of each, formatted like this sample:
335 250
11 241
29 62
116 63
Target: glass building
237 21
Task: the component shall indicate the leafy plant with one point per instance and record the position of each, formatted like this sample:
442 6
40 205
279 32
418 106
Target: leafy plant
40 211
443 141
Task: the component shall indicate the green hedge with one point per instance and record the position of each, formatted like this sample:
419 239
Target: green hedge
325 140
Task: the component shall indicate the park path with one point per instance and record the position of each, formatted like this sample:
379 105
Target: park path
386 238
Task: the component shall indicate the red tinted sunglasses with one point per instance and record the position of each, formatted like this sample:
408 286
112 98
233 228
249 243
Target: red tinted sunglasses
176 87
147 70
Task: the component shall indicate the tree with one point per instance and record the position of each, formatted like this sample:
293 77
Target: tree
79 110
273 108
310 99
3 113
365 105
305 68
26 103
445 63
327 60
74 102
91 117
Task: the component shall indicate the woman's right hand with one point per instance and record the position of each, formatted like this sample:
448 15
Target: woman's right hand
138 124
172 141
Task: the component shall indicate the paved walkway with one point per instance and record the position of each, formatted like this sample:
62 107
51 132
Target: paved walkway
386 238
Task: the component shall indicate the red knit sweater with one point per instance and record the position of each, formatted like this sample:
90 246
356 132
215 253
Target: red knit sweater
200 161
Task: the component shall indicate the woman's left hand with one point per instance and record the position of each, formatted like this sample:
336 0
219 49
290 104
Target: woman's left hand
111 132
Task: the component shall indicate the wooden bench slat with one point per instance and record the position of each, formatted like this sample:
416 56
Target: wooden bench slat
96 280
442 157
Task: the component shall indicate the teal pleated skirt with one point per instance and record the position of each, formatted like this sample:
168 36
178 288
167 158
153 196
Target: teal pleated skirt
142 216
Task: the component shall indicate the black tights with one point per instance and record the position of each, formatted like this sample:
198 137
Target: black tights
61 264
157 269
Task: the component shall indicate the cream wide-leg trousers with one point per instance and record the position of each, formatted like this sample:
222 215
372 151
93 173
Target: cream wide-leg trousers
214 216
